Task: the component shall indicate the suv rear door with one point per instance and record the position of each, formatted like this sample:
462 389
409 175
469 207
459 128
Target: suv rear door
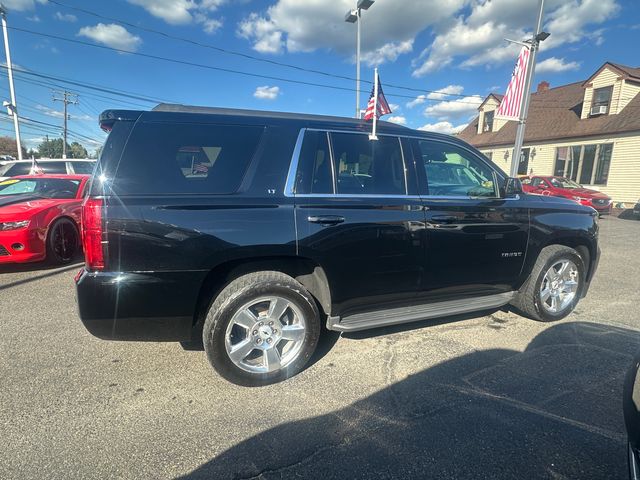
359 216
476 241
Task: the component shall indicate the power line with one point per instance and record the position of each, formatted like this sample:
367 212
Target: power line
241 54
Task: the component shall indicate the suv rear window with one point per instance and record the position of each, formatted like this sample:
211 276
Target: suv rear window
163 158
15 169
53 167
84 168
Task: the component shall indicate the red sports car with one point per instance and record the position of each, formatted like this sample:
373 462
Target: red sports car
40 218
563 187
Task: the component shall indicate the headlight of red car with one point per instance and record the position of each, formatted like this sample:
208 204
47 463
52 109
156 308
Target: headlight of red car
4 226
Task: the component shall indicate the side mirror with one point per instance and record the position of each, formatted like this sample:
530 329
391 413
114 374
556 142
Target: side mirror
512 187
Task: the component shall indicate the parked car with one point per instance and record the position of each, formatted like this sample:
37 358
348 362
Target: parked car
40 218
14 168
636 209
563 187
249 229
631 408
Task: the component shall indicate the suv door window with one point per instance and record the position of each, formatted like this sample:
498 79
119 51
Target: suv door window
314 165
23 168
365 167
453 171
83 167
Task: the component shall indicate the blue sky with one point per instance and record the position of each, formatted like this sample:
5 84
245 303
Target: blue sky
452 46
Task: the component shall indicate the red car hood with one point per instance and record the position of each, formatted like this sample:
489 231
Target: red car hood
586 192
22 207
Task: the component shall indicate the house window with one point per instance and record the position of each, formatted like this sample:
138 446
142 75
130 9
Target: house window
585 164
601 98
488 121
489 155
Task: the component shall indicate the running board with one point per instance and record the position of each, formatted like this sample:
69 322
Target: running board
395 316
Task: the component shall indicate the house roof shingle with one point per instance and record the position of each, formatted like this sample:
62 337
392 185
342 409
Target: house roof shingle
554 114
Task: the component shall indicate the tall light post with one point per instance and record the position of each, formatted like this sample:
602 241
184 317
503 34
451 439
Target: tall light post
11 106
354 16
534 45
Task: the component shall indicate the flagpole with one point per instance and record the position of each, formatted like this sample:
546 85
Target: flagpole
375 106
533 48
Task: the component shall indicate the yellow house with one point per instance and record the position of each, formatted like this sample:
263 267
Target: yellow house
587 131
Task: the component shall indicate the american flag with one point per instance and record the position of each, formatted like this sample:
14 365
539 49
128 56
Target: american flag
383 106
199 168
511 104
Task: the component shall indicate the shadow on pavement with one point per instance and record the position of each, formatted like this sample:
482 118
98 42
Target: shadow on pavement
552 411
48 272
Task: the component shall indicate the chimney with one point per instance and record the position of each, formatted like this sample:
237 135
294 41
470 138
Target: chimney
543 86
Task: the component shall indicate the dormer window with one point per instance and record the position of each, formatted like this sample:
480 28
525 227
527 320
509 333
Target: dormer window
601 101
488 121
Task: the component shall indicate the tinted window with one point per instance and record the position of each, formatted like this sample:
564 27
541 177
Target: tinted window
453 171
53 167
314 166
17 169
110 154
186 158
365 167
43 187
83 168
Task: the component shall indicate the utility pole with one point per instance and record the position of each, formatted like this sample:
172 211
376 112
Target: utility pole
534 45
12 106
67 98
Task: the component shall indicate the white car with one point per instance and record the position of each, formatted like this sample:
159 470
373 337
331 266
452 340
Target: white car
12 168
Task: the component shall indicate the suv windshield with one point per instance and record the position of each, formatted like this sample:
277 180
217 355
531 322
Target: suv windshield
41 187
561 182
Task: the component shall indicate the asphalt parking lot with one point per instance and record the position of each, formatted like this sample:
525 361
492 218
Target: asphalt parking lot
495 396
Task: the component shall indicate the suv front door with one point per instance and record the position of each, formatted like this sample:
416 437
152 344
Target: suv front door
476 241
358 215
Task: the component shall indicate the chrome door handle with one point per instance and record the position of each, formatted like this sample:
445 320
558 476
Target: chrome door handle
326 219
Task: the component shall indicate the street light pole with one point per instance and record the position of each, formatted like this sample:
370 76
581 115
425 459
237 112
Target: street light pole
12 107
355 16
359 15
538 37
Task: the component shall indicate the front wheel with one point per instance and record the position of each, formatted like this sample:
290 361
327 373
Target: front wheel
261 329
63 242
555 285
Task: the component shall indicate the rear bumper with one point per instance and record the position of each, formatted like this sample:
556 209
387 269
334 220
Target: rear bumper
147 306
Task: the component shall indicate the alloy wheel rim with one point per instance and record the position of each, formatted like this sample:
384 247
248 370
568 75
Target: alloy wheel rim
559 286
64 241
265 335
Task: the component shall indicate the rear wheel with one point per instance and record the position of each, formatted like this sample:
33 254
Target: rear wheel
555 285
63 242
261 329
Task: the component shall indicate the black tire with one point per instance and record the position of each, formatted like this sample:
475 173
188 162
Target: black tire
528 300
239 293
63 242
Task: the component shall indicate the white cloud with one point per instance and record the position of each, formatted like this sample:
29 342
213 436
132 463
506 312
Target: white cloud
21 5
389 52
57 114
184 12
419 100
554 65
65 17
477 37
442 127
399 119
34 19
394 107
112 35
460 107
267 93
443 93
266 38
387 31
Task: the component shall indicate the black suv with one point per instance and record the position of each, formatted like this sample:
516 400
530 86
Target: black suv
249 229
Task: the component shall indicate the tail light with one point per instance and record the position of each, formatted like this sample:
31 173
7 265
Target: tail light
92 233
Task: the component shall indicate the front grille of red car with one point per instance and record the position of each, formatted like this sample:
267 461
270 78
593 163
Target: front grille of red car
600 201
3 252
